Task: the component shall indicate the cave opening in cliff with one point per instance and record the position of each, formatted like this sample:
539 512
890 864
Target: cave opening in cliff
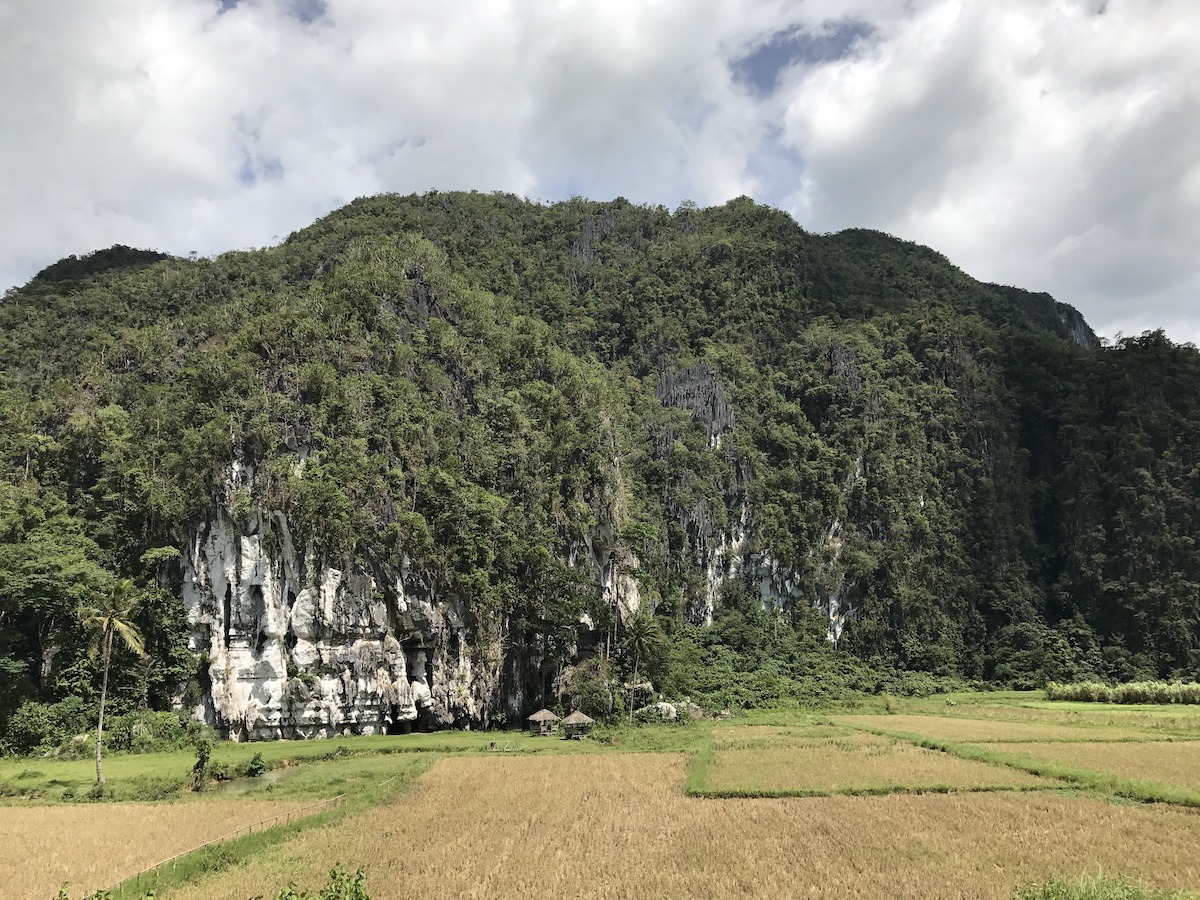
258 613
226 610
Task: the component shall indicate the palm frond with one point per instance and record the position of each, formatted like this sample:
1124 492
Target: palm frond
131 635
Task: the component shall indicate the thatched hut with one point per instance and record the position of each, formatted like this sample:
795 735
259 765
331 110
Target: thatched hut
543 722
577 725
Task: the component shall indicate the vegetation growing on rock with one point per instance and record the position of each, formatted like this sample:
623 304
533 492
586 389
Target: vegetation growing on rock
720 408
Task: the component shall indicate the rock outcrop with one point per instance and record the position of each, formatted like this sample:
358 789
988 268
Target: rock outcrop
298 648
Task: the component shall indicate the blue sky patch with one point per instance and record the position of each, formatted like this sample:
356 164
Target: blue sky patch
307 11
255 170
760 69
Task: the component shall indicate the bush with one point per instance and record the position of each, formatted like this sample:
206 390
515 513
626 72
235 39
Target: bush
205 770
146 732
587 687
342 886
1161 692
40 726
255 767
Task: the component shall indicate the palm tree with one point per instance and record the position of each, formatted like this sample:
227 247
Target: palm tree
112 618
644 640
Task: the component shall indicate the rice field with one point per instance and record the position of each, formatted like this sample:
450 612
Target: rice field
863 764
776 803
93 846
1181 721
1175 764
619 825
774 735
955 728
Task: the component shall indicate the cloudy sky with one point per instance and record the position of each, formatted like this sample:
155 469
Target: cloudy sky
1052 144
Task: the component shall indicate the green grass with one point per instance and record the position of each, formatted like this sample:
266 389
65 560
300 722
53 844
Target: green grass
157 776
1099 888
697 779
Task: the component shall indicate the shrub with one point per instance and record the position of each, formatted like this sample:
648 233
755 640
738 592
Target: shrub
38 726
1161 692
202 769
342 886
146 732
255 767
587 687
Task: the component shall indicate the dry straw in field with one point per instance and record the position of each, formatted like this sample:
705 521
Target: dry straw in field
97 845
979 730
776 736
1171 718
1176 764
619 826
845 766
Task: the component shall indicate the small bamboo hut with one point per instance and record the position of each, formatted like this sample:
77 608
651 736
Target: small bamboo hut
543 722
577 726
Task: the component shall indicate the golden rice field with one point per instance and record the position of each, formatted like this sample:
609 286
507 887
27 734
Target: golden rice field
95 845
619 825
1180 720
774 735
862 765
1176 764
987 730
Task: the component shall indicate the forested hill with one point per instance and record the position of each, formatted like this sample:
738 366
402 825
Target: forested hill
951 476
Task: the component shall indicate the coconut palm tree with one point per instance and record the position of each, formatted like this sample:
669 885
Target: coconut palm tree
112 618
644 640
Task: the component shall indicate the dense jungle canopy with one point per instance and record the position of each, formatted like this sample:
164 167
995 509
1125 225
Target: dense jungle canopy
471 380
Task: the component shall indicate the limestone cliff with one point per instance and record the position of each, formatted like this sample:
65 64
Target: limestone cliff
297 647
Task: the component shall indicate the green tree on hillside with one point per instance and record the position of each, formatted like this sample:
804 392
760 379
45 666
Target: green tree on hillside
112 619
644 642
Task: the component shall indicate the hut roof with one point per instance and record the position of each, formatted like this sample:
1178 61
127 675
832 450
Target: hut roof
543 715
578 718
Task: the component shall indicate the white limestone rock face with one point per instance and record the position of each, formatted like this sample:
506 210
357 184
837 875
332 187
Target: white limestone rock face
297 648
777 586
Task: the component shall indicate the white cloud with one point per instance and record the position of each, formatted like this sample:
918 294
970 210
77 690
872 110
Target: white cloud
1038 144
1033 143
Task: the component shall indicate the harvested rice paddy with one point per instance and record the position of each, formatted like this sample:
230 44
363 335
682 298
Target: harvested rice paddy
774 735
96 845
619 825
855 766
775 803
1180 721
986 730
1175 764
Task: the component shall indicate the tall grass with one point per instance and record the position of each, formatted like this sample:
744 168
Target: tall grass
1155 692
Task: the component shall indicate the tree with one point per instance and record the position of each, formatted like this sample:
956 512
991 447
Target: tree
644 641
108 621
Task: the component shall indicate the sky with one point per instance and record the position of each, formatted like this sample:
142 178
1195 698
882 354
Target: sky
1050 144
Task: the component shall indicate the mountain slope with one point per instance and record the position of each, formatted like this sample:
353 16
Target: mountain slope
402 453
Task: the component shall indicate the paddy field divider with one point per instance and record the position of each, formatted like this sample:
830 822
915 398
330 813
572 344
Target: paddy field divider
245 829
